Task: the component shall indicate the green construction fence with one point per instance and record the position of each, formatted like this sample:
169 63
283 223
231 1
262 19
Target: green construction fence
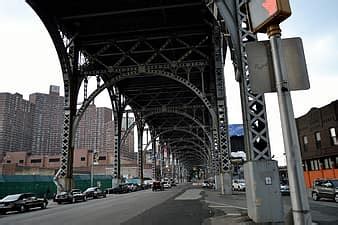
44 185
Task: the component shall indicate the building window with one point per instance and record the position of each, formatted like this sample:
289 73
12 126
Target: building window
21 161
83 158
305 142
315 165
36 161
8 161
318 141
54 160
102 158
326 163
333 136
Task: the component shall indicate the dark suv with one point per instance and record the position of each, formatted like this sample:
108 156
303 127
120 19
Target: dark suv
327 188
94 192
21 202
71 197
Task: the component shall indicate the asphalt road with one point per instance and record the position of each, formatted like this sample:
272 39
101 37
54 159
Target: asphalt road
323 212
114 209
183 204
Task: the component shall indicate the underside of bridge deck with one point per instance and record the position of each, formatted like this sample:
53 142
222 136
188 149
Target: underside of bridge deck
163 58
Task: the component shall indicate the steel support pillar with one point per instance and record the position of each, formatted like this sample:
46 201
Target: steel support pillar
64 177
140 128
153 158
224 140
117 146
256 132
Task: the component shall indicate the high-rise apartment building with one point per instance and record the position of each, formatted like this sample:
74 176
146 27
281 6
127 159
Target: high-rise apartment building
16 117
48 121
103 117
92 131
36 126
109 134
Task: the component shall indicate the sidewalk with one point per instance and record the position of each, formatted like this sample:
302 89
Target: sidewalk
231 209
228 209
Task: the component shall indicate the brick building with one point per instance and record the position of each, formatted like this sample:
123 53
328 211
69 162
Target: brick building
318 142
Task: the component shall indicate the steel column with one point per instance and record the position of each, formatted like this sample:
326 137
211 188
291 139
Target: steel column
253 105
140 128
224 143
153 158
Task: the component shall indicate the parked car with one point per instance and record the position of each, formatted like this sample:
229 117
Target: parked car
166 184
284 188
71 197
119 189
94 192
327 188
147 183
206 184
238 185
133 187
22 202
157 185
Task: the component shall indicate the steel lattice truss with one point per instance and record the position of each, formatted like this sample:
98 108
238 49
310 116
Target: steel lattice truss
162 58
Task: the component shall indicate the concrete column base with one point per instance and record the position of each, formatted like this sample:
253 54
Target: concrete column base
227 183
115 182
217 182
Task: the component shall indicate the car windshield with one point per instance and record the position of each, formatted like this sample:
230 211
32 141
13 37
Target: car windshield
76 190
11 197
241 181
90 189
335 183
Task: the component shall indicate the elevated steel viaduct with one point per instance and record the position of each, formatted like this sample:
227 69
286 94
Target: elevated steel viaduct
164 59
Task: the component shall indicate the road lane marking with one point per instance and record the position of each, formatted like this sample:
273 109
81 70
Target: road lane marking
226 205
191 194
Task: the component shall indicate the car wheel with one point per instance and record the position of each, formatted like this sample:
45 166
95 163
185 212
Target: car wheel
84 198
73 200
315 196
44 205
22 208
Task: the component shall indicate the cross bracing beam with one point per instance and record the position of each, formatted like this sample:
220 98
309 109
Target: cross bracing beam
134 72
188 149
129 11
195 137
200 125
184 141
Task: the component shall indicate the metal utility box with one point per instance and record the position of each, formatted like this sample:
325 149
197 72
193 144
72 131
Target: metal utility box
263 195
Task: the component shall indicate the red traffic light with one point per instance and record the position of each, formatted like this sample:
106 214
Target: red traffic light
264 13
270 6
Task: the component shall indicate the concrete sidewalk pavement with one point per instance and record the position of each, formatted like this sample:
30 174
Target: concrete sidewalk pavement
231 209
228 209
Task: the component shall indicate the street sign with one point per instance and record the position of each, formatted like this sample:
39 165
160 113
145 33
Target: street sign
262 77
263 13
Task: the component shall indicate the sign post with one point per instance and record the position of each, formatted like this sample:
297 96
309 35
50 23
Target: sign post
265 16
299 201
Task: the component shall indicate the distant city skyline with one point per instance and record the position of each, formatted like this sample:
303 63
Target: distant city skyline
36 125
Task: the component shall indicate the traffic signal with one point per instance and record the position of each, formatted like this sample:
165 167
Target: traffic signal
95 158
263 13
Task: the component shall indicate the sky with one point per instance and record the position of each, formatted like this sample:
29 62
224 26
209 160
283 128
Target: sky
29 64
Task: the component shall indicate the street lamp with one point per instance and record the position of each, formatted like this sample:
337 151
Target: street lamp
94 162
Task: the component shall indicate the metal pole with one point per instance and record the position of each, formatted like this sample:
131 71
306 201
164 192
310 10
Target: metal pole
299 201
92 171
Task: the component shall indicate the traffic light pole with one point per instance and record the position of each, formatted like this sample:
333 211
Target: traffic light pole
299 201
